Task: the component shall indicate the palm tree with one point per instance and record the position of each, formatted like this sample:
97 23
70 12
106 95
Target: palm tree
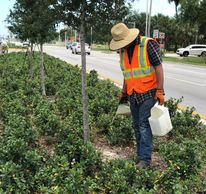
177 2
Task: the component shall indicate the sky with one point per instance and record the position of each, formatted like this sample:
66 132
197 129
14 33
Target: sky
5 6
158 6
139 5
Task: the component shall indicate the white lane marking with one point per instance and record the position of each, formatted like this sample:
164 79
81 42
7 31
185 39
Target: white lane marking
188 71
189 82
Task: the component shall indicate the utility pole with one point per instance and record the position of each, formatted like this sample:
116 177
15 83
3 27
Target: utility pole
148 18
149 24
147 3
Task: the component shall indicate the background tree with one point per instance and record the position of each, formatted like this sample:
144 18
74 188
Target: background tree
66 33
34 20
105 16
165 24
18 20
202 21
190 14
177 2
82 15
44 26
160 22
136 19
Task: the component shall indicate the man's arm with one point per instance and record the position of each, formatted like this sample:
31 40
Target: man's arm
160 84
124 88
123 96
160 76
153 50
155 59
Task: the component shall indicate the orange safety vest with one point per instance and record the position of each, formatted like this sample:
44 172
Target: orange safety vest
140 75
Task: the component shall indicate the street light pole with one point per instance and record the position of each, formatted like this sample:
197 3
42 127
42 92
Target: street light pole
146 17
149 24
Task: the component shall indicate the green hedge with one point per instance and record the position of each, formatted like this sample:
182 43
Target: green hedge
41 138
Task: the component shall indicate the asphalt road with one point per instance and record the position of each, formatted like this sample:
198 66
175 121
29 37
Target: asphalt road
180 80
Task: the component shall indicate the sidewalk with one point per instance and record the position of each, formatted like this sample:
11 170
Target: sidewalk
171 55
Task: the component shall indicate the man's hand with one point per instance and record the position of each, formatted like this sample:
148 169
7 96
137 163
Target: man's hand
123 98
160 96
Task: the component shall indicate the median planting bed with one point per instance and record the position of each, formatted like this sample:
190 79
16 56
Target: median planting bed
41 138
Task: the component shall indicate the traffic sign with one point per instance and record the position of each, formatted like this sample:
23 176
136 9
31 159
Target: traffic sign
155 33
161 35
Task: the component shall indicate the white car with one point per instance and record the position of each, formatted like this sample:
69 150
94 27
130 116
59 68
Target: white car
194 49
76 48
3 47
25 43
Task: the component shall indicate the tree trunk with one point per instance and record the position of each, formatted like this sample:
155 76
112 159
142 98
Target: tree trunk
176 12
42 71
84 76
30 62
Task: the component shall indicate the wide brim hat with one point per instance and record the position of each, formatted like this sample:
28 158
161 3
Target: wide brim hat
122 36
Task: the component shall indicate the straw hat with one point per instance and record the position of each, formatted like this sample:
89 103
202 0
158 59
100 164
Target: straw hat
122 36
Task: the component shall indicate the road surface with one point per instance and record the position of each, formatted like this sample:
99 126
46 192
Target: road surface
180 80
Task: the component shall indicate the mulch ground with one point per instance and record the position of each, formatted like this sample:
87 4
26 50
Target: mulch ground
110 152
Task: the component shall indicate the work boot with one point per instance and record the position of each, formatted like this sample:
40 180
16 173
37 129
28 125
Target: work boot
141 164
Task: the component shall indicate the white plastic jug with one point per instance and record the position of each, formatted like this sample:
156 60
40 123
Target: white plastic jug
160 121
123 109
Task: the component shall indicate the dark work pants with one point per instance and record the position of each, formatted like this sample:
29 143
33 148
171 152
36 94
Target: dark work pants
140 114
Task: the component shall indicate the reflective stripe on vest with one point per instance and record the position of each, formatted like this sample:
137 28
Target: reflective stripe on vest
144 68
143 50
138 72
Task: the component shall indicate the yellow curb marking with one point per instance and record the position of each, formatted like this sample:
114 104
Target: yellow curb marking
17 49
182 108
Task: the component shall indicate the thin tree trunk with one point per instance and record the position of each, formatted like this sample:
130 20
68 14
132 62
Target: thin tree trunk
42 71
84 77
176 11
30 62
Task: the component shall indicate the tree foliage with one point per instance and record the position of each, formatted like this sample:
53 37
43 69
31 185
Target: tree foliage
202 21
193 15
176 2
33 20
190 10
100 15
79 15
